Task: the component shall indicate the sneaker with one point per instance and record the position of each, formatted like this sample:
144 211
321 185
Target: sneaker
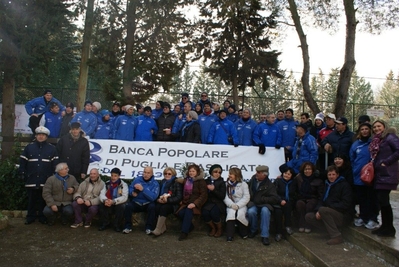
308 230
76 225
372 225
301 229
127 230
87 225
148 231
289 230
358 222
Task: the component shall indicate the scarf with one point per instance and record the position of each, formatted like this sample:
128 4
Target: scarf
188 187
112 193
63 180
186 125
298 150
329 185
166 185
231 189
287 189
374 146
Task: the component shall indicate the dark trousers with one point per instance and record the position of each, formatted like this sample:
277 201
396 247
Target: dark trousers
65 211
34 122
212 214
90 211
303 207
330 220
156 209
368 204
285 211
133 207
186 215
230 228
36 204
106 212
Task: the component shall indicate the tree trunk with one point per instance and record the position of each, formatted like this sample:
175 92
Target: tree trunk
8 109
350 62
84 68
305 56
127 66
235 91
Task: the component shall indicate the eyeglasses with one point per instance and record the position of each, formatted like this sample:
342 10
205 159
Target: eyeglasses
167 173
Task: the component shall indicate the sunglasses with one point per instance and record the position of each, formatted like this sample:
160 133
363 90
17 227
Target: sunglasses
167 173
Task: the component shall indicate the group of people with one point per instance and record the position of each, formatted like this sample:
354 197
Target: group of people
320 182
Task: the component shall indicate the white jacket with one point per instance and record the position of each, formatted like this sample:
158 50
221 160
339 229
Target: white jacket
241 198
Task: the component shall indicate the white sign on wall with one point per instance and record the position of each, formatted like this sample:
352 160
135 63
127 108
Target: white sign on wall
21 119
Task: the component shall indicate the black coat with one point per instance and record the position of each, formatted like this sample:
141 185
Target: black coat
264 196
316 188
281 189
191 133
165 121
216 196
340 142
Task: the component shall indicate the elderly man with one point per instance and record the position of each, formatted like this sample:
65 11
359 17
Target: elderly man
263 196
113 199
143 191
36 164
336 208
75 151
58 194
87 199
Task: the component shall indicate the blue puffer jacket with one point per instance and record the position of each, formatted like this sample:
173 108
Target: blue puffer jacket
219 135
206 122
288 131
179 123
125 127
267 134
144 126
39 105
150 190
360 156
233 117
88 122
105 129
52 122
305 151
245 131
155 113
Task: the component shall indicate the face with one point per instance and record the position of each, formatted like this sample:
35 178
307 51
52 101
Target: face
192 173
332 176
288 114
130 111
216 107
157 105
207 108
187 107
147 112
226 104
280 115
340 127
287 175
75 132
318 122
116 108
41 137
308 171
246 114
177 109
166 109
198 107
304 119
167 174
271 118
94 175
222 115
378 127
232 177
48 97
339 162
231 110
147 173
184 99
188 118
68 110
330 122
107 117
263 117
114 177
204 96
55 109
64 171
94 109
240 113
216 173
260 176
88 107
365 131
300 131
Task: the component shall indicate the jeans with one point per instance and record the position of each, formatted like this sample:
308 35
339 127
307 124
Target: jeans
252 215
186 215
79 208
66 213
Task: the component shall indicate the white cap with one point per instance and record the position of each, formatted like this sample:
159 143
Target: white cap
128 107
319 116
97 105
42 130
331 116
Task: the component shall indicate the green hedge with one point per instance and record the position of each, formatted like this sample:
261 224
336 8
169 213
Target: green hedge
12 189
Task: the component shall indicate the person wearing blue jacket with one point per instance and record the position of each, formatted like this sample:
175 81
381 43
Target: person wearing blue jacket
288 132
223 131
305 148
52 120
125 125
186 99
105 127
206 119
87 119
245 128
231 113
365 195
181 118
155 113
146 126
267 134
142 191
38 106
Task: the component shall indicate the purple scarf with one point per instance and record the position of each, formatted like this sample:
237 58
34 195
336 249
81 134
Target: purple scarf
374 146
188 187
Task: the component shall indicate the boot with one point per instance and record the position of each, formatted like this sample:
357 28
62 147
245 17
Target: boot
161 226
218 229
387 222
213 228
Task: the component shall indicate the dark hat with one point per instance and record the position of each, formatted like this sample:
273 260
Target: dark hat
147 108
53 104
233 107
220 111
364 124
207 102
116 170
304 126
290 110
47 91
213 167
262 168
184 94
116 104
75 125
160 103
138 106
363 118
88 102
166 104
70 105
342 120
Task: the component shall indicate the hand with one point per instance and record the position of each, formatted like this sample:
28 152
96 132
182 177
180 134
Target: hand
191 206
63 113
108 202
134 194
234 207
318 216
383 165
328 148
283 202
87 203
82 175
277 146
167 131
54 208
138 187
211 187
79 201
262 149
70 190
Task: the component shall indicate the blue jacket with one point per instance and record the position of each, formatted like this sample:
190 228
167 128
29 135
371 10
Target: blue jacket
360 156
179 123
219 135
206 122
156 113
144 126
125 127
52 122
39 105
105 130
245 130
288 131
150 190
233 117
267 134
88 122
305 151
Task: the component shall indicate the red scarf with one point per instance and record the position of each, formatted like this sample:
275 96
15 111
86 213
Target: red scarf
374 146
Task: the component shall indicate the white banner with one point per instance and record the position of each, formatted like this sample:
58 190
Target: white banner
132 157
21 119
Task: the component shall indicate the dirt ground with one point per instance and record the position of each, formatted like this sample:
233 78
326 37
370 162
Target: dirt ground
42 245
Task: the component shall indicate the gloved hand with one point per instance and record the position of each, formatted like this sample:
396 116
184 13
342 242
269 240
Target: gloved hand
235 145
277 147
234 207
262 149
